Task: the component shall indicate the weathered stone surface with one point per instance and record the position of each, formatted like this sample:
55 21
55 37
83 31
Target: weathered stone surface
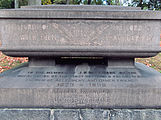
79 37
81 14
24 114
80 114
113 81
62 31
86 7
136 114
120 115
72 114
79 85
94 114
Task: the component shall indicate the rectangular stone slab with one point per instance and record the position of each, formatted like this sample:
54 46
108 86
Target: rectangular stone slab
80 31
80 14
114 38
78 7
81 86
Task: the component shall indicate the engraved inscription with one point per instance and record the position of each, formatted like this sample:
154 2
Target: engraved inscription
80 85
81 97
79 33
90 79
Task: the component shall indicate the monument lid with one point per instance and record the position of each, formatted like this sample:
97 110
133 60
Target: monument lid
72 30
80 7
79 12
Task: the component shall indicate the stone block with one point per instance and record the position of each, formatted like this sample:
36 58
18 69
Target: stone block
24 114
80 86
79 31
94 114
78 7
120 115
135 114
68 114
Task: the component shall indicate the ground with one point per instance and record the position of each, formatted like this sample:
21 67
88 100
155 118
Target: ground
154 62
10 62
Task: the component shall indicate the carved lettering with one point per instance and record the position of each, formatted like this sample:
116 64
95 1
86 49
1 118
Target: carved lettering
78 33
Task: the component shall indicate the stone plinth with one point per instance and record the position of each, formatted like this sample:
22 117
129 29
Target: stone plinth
80 31
80 85
80 57
80 114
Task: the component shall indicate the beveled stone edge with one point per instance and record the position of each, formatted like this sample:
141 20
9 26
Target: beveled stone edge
75 48
79 14
81 51
82 7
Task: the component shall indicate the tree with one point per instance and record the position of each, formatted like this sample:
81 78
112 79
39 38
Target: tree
144 4
46 2
23 2
4 4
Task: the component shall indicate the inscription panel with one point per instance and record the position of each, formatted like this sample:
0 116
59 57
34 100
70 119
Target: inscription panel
76 76
81 79
79 33
80 86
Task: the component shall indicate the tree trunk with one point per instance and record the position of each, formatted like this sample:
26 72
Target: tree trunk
109 2
34 2
16 3
89 2
68 1
140 4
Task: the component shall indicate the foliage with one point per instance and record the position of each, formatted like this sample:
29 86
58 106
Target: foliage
75 2
92 2
59 2
6 4
144 4
46 2
23 2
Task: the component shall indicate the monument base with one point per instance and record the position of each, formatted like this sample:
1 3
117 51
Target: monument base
80 114
80 85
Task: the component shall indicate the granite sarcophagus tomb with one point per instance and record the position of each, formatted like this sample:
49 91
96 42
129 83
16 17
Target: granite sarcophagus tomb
80 56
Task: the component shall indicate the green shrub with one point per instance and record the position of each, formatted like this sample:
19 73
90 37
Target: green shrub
4 4
23 2
46 2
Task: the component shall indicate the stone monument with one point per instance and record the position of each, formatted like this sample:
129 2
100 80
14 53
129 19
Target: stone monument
80 57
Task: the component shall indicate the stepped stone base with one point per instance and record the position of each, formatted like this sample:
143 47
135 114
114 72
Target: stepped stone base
80 114
80 86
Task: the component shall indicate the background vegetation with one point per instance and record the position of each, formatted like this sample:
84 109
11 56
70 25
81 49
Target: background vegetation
6 4
144 4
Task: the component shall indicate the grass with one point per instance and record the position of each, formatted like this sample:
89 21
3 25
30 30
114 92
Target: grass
154 62
10 62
